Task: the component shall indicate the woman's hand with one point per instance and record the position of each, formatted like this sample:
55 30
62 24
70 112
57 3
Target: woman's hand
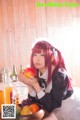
30 82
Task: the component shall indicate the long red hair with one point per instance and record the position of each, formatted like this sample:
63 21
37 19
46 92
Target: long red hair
49 52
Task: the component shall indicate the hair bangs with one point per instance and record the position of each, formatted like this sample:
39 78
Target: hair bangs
38 50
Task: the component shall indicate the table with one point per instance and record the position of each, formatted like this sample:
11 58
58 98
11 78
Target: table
18 118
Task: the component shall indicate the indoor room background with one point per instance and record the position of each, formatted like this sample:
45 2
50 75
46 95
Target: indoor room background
23 22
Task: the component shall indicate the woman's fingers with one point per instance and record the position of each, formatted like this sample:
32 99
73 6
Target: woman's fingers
28 81
22 78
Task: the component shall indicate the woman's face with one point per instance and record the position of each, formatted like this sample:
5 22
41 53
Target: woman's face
39 61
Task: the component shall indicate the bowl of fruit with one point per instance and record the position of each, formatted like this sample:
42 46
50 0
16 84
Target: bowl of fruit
29 111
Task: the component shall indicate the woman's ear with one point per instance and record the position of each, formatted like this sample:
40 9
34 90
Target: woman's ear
52 58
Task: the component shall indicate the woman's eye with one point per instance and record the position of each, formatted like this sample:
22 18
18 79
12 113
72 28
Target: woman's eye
42 54
37 54
34 55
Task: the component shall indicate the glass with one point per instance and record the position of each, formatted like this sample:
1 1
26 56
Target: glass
20 92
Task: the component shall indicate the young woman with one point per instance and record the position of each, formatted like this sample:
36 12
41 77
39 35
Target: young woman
52 85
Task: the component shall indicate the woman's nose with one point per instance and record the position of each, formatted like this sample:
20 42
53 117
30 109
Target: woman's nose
37 58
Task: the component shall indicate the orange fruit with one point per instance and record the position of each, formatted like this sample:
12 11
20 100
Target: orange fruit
34 108
28 72
25 110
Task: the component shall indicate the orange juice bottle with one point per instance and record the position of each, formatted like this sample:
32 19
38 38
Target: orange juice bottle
7 87
1 94
1 98
8 95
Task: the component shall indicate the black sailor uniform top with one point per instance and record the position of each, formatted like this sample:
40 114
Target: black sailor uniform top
55 92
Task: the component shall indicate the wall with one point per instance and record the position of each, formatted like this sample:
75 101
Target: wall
21 22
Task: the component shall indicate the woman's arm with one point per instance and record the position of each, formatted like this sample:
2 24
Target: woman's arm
32 83
58 92
50 117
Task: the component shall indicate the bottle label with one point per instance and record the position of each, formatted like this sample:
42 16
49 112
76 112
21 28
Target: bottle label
15 97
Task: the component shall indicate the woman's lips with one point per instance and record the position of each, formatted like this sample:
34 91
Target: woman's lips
37 64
